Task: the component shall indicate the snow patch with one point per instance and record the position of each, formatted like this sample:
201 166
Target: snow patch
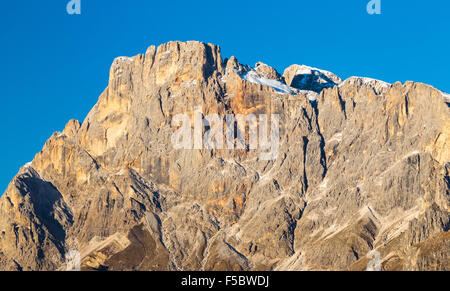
307 70
446 96
256 78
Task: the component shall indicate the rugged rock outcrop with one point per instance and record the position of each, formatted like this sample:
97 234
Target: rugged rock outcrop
363 167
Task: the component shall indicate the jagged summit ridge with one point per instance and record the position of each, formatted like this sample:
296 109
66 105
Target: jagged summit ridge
364 168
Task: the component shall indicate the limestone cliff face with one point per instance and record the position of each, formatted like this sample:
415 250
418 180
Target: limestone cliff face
363 165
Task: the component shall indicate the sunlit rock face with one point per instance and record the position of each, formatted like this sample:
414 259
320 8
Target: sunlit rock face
363 166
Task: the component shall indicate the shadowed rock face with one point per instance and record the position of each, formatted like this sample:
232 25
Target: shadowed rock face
308 78
363 166
33 223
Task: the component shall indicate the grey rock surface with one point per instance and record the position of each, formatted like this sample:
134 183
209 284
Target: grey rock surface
363 166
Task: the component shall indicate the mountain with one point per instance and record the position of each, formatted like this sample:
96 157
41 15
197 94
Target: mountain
360 175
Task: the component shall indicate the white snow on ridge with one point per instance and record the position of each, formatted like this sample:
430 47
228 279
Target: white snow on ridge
367 81
254 77
307 70
446 96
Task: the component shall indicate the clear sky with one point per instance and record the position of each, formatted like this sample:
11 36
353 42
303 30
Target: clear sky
55 65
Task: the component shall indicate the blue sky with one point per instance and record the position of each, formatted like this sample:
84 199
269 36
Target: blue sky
55 65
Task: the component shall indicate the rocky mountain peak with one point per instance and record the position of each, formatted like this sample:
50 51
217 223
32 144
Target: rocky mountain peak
308 78
268 72
363 168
